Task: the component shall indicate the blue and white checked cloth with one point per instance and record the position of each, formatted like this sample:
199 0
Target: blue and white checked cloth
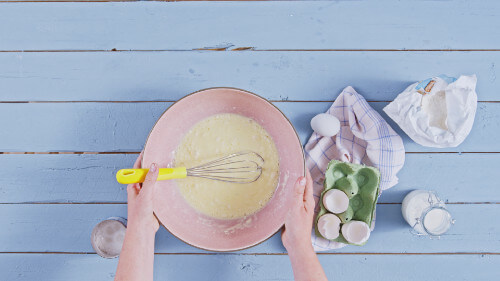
364 138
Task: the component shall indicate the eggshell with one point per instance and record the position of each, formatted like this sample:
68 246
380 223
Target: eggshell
335 201
325 125
356 232
329 226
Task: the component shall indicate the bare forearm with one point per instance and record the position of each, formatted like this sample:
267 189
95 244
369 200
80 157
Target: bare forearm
137 255
305 264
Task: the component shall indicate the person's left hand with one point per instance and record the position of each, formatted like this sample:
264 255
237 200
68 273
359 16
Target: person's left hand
140 200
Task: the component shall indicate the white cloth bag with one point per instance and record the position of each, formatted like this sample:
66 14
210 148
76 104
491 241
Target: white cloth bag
437 112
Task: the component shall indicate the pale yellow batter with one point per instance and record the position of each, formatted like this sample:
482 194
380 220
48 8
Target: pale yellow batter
217 136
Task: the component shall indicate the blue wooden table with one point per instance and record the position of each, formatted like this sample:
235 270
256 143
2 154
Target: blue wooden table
82 83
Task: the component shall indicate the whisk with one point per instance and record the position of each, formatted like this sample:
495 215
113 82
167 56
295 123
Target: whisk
240 167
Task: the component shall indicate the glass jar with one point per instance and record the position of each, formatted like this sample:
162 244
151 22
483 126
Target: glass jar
426 213
107 237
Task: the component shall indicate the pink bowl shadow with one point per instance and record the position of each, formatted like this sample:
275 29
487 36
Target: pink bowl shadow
171 208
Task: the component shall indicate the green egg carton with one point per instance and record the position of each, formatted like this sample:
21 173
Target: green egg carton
361 185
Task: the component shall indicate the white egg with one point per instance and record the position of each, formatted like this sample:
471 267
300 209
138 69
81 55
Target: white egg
325 125
356 232
329 226
335 201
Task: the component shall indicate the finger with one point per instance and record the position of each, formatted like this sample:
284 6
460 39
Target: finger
299 189
132 191
308 193
150 181
138 161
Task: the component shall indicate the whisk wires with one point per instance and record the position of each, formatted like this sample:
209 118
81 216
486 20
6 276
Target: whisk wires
239 167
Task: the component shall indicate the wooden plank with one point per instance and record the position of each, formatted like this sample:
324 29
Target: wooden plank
86 178
83 1
62 177
305 75
16 267
125 126
44 1
261 25
67 228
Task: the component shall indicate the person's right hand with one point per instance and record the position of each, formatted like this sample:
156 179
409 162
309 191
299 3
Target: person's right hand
299 220
297 233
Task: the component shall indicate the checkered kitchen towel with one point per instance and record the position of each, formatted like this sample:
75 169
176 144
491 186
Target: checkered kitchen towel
364 138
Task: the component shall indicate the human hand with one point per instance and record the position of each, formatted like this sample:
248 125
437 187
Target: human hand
140 200
299 219
137 255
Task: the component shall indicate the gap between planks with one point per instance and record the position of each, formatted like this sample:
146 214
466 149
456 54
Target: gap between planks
168 101
125 203
238 49
103 1
270 254
137 152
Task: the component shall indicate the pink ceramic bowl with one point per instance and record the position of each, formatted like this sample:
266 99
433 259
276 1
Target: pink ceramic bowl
177 215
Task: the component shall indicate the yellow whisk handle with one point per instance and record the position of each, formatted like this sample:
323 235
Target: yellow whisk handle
127 176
